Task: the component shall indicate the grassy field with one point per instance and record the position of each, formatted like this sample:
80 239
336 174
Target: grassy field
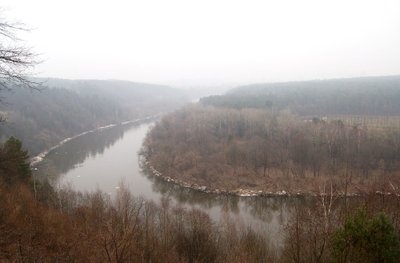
371 122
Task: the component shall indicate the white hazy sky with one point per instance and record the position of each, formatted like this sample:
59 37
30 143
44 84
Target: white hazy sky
210 42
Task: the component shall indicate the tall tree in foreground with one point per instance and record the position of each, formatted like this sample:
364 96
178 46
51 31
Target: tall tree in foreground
14 162
364 239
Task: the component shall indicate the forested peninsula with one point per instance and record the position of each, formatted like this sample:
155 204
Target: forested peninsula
236 144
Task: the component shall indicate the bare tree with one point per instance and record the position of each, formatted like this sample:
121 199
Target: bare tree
16 59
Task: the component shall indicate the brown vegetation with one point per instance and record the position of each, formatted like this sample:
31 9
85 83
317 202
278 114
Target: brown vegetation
75 227
267 151
48 225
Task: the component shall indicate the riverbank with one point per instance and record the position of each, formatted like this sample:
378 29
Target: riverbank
243 192
39 158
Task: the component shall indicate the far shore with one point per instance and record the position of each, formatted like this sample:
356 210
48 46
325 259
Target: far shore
39 158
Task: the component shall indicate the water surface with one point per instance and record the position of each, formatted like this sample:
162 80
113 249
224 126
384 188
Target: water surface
104 159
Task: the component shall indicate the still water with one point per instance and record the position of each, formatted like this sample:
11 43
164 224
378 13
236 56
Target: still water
105 159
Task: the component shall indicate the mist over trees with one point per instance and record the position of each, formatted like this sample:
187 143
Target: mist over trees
303 137
355 96
42 112
326 140
295 136
65 108
265 149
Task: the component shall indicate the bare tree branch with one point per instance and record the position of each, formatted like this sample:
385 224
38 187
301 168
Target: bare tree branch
16 60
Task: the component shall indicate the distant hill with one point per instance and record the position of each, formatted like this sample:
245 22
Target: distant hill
67 107
352 96
134 96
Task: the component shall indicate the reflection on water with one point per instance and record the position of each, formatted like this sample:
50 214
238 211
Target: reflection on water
102 159
260 208
76 151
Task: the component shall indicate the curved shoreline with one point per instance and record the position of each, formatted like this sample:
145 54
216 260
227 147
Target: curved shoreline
240 192
39 158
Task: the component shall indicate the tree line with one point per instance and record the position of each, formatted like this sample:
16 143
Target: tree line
376 96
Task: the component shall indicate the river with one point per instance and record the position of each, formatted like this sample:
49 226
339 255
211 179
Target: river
105 159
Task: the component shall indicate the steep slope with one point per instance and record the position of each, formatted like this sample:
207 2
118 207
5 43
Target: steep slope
64 108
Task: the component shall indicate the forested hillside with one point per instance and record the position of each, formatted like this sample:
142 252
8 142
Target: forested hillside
63 108
292 137
355 96
136 98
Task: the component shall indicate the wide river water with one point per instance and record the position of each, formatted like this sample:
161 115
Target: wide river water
104 159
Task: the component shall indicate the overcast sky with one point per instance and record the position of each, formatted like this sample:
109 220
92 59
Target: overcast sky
212 42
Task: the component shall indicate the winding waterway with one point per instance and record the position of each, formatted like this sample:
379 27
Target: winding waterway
104 159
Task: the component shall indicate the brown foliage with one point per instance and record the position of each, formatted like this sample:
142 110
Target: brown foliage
125 229
271 151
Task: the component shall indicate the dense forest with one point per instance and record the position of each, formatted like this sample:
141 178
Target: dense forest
378 96
63 108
